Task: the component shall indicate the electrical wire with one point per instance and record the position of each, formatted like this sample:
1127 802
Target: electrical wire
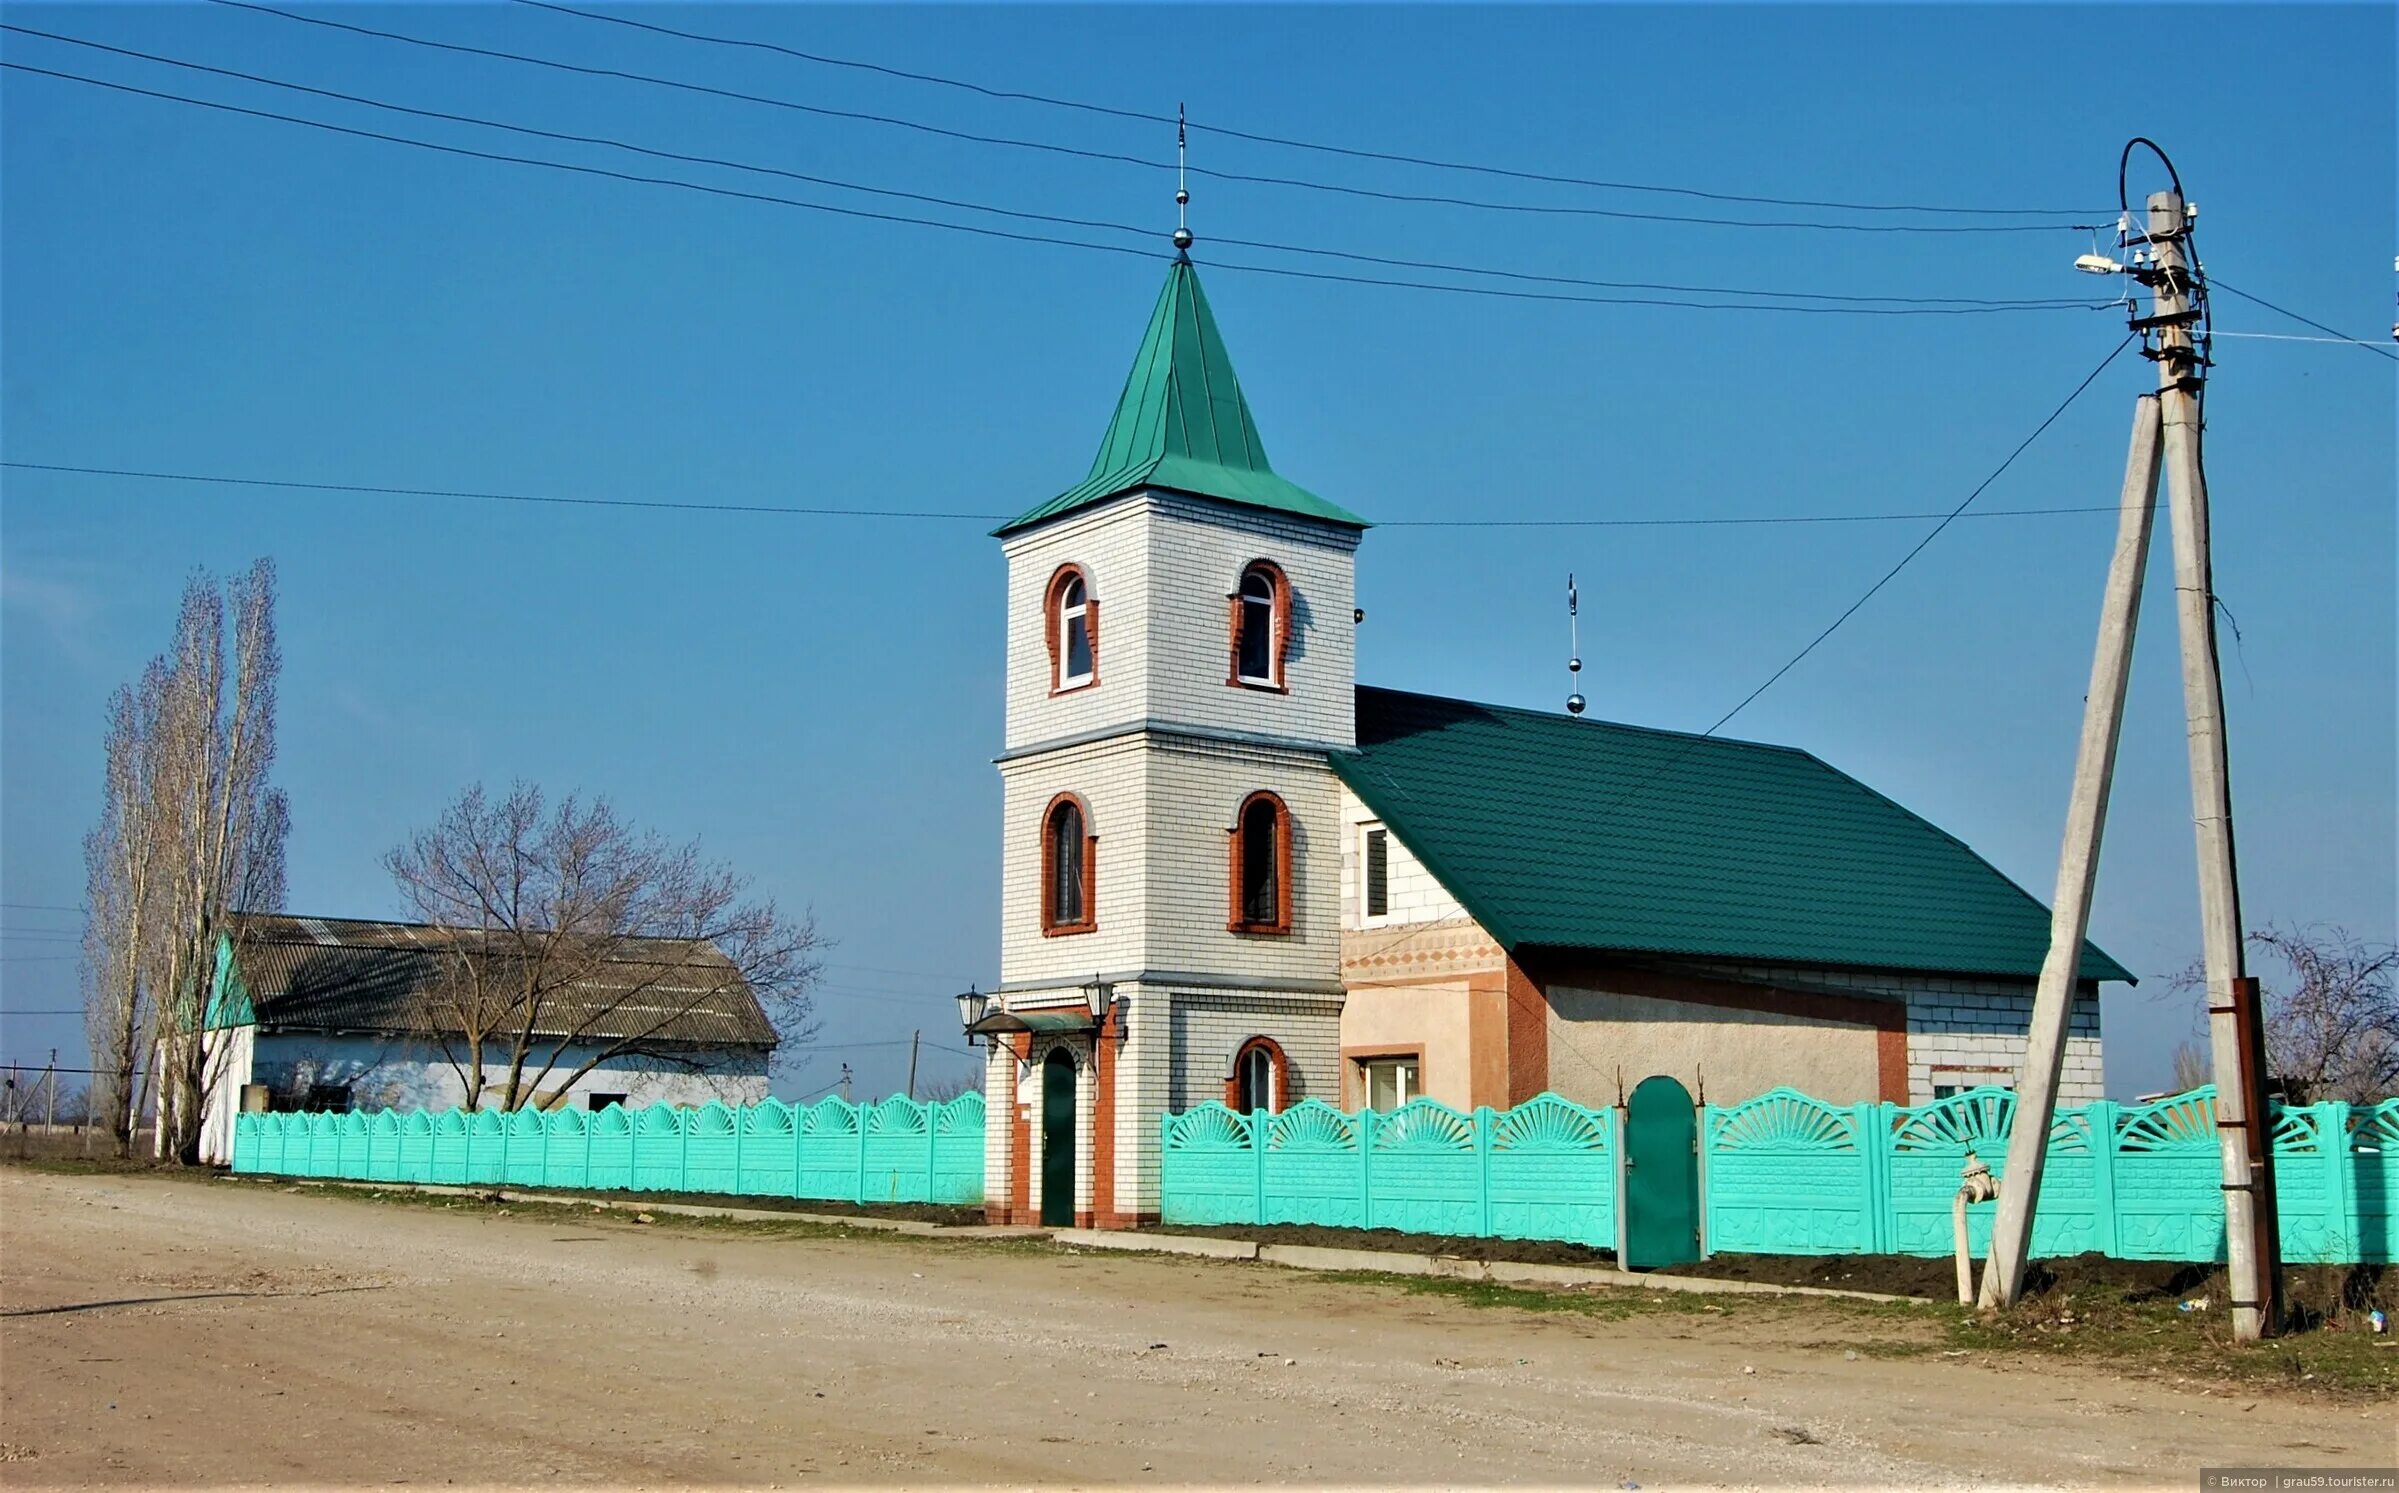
1115 157
1288 142
1009 235
751 508
1693 742
2219 283
2294 337
2053 303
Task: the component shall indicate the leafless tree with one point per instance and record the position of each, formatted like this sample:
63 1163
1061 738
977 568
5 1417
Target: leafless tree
2332 1020
216 735
567 939
124 930
943 1090
2190 1068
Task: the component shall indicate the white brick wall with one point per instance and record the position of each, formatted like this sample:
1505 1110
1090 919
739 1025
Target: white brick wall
1416 895
1161 566
1197 551
1111 543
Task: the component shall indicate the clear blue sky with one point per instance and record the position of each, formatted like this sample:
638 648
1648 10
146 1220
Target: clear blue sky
818 699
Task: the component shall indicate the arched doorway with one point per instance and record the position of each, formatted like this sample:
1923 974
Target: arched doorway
1058 1139
1661 1176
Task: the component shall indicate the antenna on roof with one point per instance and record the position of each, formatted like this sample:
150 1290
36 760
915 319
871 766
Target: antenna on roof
1182 190
1574 650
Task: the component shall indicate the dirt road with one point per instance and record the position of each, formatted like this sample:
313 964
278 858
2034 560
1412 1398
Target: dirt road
181 1333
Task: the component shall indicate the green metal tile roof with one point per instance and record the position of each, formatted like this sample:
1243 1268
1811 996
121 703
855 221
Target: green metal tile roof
1183 424
1570 833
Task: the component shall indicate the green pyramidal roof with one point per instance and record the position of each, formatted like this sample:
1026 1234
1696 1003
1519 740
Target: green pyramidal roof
1183 424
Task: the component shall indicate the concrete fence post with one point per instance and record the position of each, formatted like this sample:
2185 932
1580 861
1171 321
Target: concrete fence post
2101 1119
1366 1125
1483 1123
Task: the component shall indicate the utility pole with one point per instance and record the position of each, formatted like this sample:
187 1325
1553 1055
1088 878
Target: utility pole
913 1038
2078 865
2167 432
845 1083
50 1104
2236 1035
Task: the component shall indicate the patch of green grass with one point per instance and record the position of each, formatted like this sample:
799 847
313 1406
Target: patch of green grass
2095 1327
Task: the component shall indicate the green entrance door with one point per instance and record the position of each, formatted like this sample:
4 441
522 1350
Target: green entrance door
1661 1176
1058 1140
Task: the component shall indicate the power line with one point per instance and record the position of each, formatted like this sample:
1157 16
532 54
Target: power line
661 504
1114 157
1290 143
2051 303
1904 560
2217 282
39 906
1002 233
2294 337
1044 238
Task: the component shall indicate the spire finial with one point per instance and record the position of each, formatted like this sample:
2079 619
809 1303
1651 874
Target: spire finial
1574 649
1182 190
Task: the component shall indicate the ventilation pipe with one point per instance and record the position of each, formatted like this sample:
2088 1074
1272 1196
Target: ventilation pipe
1976 1185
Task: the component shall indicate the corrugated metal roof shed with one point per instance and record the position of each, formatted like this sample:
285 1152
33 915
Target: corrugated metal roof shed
342 974
1557 832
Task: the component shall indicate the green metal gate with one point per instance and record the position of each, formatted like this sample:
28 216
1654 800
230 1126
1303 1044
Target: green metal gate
1058 1140
1661 1176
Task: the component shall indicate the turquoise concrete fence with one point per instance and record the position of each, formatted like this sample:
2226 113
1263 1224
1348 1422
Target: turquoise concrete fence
1545 1169
1786 1174
895 1151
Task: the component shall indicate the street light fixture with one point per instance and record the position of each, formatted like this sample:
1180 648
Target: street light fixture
971 1005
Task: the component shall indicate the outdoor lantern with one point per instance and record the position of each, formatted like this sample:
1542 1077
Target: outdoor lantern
971 1005
1096 995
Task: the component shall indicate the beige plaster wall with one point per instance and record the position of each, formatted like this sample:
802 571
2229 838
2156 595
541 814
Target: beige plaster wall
1436 1017
1740 1054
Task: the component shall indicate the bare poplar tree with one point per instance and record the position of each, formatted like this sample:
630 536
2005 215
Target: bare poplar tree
124 859
217 732
566 938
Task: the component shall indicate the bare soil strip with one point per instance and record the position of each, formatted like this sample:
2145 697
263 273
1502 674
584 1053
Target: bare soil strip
218 1335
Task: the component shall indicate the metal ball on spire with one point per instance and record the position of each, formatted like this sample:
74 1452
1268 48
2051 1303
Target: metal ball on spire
1182 187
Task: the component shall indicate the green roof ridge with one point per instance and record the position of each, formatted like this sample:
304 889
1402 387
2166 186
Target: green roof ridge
1182 423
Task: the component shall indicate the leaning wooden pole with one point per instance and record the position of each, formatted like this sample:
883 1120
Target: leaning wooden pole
2077 867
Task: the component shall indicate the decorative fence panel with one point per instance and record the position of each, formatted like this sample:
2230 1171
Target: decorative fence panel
1786 1174
897 1151
1543 1170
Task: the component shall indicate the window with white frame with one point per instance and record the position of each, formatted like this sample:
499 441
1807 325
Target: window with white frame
1074 632
1261 626
1390 1082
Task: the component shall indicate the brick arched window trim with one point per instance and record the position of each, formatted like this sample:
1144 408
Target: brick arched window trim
1051 925
1236 868
1279 646
1280 1099
1051 598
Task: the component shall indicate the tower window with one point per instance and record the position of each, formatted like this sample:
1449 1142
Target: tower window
1378 873
1257 1084
1069 853
1072 623
1261 626
1261 879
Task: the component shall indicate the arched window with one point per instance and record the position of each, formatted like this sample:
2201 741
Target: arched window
1071 622
1261 870
1261 626
1069 855
1258 1081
